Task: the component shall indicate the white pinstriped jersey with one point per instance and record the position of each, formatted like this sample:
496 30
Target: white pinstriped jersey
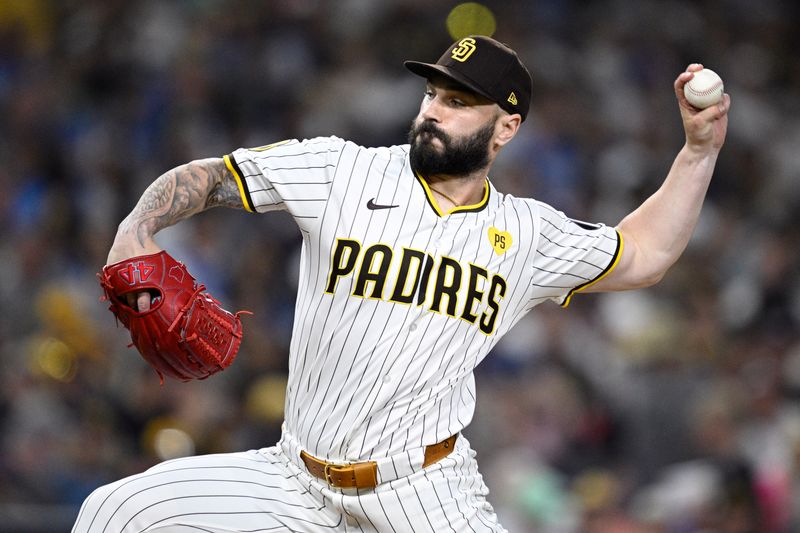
398 302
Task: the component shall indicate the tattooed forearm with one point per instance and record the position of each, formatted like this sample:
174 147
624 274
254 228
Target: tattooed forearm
225 192
181 193
157 196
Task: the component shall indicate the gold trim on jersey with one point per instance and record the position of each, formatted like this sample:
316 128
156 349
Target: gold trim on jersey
604 273
243 192
457 209
270 146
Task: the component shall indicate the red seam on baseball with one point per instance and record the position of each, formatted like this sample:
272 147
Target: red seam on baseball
707 91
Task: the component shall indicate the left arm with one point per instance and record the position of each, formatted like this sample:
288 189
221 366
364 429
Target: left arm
657 232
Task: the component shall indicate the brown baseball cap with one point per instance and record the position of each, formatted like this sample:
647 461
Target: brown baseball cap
488 67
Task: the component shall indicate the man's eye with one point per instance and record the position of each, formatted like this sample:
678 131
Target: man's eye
455 102
428 94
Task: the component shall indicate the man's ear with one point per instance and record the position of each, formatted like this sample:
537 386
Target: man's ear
506 128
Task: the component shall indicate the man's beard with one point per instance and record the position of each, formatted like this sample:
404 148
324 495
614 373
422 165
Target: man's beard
457 158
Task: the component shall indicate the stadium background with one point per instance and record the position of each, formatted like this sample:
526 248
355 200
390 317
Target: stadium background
669 409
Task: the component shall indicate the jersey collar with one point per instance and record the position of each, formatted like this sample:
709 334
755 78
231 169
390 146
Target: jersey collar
480 206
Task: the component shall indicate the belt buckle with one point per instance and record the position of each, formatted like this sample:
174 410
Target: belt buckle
328 477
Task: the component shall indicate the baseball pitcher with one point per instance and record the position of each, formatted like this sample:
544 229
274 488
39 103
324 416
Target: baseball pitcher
413 266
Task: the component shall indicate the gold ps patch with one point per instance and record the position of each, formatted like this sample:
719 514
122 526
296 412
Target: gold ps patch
500 240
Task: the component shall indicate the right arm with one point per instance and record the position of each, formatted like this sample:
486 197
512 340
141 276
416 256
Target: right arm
178 194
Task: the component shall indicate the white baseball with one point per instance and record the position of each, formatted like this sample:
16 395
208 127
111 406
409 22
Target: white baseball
705 89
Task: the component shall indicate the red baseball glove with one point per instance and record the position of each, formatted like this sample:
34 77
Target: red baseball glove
186 334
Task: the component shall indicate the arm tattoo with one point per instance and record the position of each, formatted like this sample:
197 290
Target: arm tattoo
181 193
225 192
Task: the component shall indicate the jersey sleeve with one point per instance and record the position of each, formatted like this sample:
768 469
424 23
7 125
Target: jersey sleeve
291 175
572 255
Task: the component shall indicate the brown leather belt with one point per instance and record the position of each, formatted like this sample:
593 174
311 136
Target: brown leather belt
365 475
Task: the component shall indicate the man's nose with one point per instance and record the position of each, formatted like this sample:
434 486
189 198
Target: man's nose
432 111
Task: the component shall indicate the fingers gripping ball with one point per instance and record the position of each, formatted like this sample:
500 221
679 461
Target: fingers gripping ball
186 334
704 89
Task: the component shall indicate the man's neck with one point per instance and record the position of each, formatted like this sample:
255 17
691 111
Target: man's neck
457 191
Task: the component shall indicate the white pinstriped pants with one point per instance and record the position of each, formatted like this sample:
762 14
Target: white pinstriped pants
265 490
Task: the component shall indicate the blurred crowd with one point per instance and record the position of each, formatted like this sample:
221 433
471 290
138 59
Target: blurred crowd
672 409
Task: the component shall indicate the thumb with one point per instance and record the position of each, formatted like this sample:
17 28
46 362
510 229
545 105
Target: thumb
143 301
138 301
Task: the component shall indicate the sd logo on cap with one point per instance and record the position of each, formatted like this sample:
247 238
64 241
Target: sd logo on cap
487 67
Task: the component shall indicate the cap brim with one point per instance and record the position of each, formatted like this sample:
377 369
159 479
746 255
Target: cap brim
428 70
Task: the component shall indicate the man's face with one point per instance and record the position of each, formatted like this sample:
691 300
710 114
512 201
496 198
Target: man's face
470 119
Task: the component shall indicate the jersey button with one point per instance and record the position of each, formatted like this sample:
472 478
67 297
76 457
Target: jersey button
387 378
412 327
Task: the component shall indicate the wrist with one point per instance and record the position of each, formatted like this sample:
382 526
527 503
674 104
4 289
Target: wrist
700 151
130 243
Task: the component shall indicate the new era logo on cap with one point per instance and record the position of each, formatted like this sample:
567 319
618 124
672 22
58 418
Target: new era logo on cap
485 66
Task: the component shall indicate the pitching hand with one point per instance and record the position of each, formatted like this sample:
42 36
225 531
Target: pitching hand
705 129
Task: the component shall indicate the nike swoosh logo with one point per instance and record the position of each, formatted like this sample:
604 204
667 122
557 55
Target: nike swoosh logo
372 205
